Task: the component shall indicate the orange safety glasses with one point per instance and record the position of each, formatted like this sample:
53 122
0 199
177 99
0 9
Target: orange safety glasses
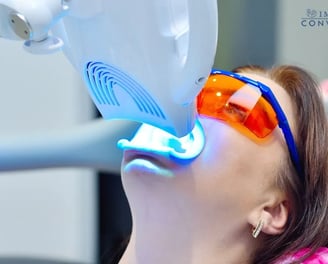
235 99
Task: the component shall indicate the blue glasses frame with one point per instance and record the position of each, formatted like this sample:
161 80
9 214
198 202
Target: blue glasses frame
281 117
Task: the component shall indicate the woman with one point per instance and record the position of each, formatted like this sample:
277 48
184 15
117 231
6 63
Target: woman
255 194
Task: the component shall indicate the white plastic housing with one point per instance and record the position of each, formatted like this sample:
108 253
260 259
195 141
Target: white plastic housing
142 60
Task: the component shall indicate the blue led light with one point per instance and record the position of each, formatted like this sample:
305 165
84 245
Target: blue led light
152 139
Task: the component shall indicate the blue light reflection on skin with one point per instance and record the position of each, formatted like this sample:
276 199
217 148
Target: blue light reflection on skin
149 139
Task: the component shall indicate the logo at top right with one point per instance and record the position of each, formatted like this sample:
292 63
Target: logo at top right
315 18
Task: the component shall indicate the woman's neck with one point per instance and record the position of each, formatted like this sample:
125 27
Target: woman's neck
176 223
173 233
161 250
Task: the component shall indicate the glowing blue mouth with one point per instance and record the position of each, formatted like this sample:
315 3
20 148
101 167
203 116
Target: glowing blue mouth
152 139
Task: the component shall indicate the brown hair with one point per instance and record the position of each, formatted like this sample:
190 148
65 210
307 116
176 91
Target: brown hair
307 225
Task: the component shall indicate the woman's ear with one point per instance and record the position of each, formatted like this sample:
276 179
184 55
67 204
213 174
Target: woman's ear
273 215
275 218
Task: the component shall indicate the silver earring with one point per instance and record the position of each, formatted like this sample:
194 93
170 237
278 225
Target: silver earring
258 228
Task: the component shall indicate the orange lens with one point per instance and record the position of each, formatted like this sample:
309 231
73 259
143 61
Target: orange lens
215 100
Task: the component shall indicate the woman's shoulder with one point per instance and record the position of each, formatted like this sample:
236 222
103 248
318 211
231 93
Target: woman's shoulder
320 256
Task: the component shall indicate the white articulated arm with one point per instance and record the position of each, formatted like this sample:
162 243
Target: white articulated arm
31 21
92 145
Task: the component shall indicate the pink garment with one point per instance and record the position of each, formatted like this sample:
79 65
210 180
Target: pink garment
319 257
324 89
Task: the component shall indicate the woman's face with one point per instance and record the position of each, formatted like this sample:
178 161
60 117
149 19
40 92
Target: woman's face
233 174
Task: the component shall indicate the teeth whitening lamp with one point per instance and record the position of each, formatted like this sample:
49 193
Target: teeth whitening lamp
141 60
